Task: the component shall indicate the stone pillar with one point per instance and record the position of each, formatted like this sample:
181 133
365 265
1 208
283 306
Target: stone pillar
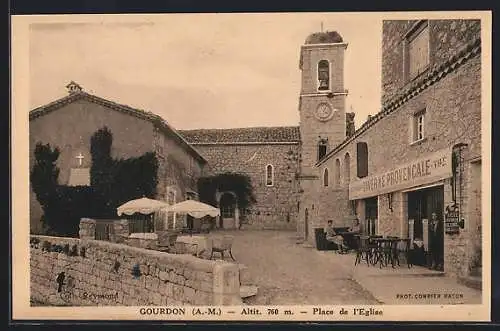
121 231
226 285
87 228
236 218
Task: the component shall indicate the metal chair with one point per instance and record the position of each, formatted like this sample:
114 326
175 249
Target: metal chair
223 245
404 246
363 250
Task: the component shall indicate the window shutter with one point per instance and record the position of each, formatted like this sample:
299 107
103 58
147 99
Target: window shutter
362 159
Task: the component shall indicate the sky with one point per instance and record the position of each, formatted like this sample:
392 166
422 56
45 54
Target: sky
201 70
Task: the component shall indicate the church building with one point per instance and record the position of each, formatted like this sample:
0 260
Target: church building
68 124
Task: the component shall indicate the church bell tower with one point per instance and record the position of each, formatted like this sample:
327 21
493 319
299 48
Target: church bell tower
322 117
322 97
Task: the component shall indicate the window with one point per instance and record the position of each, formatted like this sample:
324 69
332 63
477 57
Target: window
347 168
418 126
325 177
322 148
362 159
269 175
323 75
337 172
417 52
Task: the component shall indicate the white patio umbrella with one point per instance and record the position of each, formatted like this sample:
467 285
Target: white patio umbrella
143 206
194 208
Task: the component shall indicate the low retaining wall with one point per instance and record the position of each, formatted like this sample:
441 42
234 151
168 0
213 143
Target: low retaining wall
71 271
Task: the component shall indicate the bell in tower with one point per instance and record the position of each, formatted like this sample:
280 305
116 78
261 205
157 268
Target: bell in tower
322 96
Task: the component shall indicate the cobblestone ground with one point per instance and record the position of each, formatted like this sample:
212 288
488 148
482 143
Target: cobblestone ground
288 273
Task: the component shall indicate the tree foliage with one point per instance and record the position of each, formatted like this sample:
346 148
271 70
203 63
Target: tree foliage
113 182
117 181
44 173
240 184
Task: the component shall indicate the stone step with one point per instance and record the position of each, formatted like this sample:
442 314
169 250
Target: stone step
475 282
476 272
245 276
248 291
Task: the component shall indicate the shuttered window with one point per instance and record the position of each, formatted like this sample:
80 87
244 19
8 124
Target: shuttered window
418 51
362 159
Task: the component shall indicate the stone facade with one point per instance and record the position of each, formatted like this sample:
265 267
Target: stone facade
69 123
329 128
100 273
250 151
450 92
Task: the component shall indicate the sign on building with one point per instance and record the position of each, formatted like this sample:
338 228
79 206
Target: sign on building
426 170
452 220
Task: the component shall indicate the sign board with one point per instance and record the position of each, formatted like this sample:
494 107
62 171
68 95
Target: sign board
425 233
452 220
432 168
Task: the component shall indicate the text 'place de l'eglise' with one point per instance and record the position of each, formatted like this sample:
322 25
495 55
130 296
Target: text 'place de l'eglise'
411 172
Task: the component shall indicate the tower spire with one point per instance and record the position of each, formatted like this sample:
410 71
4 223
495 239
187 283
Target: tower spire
321 26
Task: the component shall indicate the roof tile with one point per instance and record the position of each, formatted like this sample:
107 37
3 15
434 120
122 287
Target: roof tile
243 135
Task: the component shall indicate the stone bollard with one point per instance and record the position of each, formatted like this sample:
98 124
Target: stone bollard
121 230
245 277
87 228
226 284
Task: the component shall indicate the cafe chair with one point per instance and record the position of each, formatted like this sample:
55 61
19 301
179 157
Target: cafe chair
391 251
363 250
221 246
403 247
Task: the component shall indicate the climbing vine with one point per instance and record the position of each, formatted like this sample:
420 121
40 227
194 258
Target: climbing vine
238 183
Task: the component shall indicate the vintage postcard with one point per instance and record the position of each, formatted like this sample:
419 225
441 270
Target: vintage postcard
252 167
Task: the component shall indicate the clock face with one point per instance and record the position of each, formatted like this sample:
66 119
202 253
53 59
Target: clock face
324 112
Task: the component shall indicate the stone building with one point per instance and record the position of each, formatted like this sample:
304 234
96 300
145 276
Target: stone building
270 157
421 154
281 160
323 120
68 123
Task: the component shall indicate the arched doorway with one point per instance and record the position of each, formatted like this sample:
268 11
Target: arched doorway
229 211
306 224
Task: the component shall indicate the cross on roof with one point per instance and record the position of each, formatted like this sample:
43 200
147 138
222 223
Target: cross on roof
80 158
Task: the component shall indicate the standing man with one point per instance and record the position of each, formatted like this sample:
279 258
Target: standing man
436 242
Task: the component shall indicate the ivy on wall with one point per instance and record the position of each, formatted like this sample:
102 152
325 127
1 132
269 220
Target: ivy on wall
240 184
113 182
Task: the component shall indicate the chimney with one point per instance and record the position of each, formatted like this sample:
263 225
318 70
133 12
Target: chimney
73 87
349 125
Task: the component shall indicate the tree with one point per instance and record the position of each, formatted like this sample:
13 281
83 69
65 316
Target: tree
113 182
44 173
43 178
117 181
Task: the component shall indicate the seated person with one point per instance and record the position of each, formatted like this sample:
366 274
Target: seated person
356 227
332 236
352 231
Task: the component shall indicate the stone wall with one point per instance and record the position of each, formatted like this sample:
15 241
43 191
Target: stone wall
178 170
104 273
276 206
446 38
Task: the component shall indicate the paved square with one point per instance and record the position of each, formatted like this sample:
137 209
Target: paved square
288 273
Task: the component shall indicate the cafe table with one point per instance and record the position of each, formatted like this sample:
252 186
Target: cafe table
385 251
350 238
